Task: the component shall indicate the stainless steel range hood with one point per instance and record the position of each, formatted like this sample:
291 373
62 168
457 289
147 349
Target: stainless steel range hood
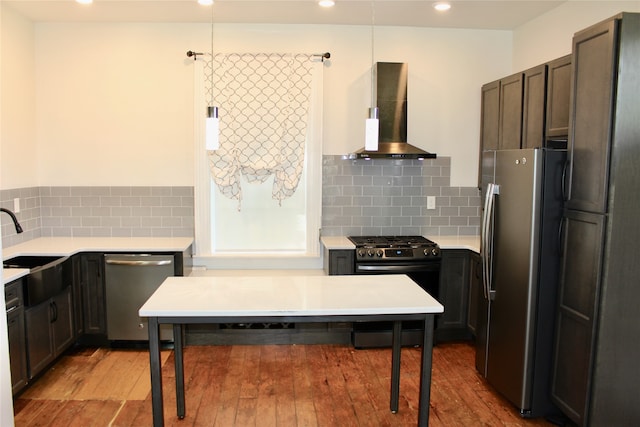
390 91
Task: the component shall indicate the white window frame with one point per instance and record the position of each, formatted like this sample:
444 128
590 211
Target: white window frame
203 257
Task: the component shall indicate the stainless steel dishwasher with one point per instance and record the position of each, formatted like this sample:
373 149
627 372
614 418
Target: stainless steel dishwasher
130 281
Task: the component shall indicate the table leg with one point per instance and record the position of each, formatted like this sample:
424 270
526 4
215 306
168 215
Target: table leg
156 374
395 365
425 372
179 369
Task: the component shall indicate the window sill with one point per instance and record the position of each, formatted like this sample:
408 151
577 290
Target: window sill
239 261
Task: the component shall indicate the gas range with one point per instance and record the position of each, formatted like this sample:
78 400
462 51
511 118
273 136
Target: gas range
417 257
395 248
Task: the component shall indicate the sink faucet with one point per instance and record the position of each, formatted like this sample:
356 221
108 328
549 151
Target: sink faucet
14 219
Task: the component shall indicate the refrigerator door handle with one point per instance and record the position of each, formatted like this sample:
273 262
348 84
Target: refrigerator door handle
495 191
484 247
487 239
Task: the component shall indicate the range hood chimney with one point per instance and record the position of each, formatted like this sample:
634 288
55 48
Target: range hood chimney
391 93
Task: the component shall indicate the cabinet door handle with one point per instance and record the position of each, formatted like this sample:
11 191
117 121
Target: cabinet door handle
565 197
54 312
561 235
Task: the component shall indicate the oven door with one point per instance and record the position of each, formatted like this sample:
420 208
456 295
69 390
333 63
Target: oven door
378 334
425 274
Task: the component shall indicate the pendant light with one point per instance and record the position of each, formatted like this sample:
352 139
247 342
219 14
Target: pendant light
372 125
212 129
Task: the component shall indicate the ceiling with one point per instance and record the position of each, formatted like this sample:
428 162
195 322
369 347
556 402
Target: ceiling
475 14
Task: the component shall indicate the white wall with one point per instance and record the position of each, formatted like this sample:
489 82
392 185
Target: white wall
112 102
549 36
17 144
17 102
115 100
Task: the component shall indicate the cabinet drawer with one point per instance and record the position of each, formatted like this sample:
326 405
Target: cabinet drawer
13 294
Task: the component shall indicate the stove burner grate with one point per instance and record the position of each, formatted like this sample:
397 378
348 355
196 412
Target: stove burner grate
391 241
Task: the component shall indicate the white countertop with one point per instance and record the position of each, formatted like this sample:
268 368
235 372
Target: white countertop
66 246
11 274
337 242
471 243
233 296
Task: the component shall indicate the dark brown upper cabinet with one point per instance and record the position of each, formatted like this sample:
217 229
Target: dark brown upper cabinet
529 109
558 99
510 111
533 113
594 54
490 116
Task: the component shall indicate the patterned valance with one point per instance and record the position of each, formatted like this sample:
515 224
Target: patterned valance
263 101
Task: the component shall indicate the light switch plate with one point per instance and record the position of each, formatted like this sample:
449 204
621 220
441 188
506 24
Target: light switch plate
16 205
431 202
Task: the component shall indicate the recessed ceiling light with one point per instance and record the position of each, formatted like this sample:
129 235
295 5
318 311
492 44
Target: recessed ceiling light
326 3
84 1
205 2
441 6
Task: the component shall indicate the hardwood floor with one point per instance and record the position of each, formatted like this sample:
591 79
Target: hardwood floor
267 385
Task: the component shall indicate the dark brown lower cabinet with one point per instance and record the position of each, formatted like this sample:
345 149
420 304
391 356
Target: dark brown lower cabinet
18 356
89 280
15 328
50 330
577 312
339 262
475 292
454 295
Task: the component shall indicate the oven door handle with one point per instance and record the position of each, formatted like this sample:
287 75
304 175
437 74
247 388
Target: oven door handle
397 268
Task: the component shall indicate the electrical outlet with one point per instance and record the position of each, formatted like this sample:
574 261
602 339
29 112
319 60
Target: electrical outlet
16 205
431 202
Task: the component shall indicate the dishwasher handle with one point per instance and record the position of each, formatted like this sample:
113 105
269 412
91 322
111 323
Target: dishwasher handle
138 262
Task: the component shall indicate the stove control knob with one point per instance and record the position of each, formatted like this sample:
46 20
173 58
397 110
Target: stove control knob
379 253
370 252
361 253
431 252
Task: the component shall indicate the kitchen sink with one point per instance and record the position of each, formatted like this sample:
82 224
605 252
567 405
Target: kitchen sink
48 276
32 262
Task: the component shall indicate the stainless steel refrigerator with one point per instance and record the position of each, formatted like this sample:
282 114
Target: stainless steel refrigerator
520 252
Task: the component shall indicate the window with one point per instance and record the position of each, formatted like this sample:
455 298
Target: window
261 225
258 231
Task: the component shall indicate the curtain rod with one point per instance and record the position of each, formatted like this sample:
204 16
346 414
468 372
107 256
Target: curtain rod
322 56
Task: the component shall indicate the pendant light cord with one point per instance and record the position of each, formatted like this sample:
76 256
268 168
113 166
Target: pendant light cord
211 88
373 21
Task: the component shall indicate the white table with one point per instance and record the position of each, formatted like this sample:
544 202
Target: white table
245 299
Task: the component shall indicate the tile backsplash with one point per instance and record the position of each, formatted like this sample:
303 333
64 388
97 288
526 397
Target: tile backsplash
99 212
359 197
29 215
389 197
